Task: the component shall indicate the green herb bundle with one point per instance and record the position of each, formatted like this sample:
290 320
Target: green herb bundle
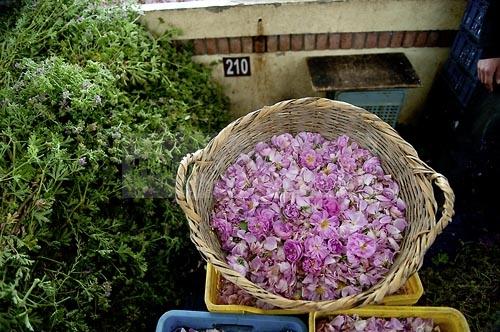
95 114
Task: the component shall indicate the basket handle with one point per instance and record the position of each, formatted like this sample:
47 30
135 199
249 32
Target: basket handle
447 212
183 194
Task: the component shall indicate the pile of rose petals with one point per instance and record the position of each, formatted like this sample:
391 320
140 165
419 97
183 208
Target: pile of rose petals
344 323
308 218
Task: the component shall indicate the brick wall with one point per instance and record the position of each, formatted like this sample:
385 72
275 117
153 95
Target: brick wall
323 41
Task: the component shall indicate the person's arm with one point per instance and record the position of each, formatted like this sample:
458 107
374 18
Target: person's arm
488 68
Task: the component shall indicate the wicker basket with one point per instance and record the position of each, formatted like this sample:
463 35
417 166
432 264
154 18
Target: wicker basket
198 173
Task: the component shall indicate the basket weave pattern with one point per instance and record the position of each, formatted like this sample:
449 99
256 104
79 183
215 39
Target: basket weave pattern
198 173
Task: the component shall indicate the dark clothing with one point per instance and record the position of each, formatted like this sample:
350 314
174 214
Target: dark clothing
486 148
472 158
490 31
479 141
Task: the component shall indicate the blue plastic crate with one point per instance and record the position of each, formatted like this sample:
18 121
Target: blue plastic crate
466 52
473 18
386 103
174 319
462 83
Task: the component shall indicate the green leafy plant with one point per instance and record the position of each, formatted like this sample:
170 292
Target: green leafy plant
441 258
95 114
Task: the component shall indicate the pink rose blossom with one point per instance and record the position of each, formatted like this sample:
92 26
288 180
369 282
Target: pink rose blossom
315 248
324 183
335 246
293 250
310 159
312 265
282 141
371 165
266 214
283 230
325 225
331 205
291 211
318 292
259 227
240 249
270 243
263 149
361 245
238 264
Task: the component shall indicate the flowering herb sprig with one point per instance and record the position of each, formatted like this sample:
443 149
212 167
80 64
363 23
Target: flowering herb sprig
309 218
346 323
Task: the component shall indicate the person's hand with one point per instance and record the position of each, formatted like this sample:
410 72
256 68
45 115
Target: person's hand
488 71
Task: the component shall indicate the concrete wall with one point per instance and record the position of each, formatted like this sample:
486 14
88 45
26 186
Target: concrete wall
422 29
280 76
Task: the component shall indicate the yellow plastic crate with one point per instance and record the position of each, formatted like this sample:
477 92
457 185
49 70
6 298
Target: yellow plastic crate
448 319
411 293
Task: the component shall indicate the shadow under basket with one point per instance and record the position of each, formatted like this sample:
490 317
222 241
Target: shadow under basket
409 294
198 172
